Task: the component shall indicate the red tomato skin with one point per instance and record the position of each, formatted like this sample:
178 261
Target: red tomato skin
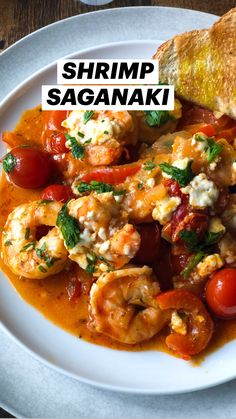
60 193
221 293
113 175
54 142
53 119
150 243
33 168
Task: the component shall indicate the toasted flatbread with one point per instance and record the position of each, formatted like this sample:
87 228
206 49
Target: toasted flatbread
201 64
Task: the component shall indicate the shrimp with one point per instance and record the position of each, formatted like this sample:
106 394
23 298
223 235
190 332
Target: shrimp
102 134
21 251
107 240
123 305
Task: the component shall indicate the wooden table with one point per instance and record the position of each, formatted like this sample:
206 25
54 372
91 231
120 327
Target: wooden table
19 18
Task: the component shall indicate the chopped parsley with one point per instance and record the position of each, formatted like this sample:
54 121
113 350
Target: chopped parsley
91 259
157 118
106 132
140 186
149 165
182 176
45 201
42 269
69 227
77 149
9 162
27 233
212 148
43 254
200 248
80 134
87 116
192 263
98 187
40 251
8 243
28 246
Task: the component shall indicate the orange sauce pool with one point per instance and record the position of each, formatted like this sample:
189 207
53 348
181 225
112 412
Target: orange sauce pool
49 295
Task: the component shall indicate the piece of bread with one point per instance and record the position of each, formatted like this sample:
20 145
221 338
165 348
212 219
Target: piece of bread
201 64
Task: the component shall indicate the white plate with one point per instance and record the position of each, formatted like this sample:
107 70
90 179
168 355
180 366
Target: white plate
148 372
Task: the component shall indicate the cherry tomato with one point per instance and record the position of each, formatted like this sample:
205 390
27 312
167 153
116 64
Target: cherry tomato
113 175
27 167
150 243
60 193
195 221
198 320
53 137
221 293
53 119
55 142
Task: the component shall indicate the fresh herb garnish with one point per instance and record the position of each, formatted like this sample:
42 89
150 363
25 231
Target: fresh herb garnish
45 201
182 176
69 227
28 246
149 165
27 233
77 149
200 248
42 269
40 251
80 134
106 132
193 261
87 116
157 118
91 259
212 148
140 186
9 162
98 187
8 243
190 238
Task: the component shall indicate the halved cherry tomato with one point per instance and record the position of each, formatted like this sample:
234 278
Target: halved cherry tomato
150 243
60 193
113 175
221 293
198 320
27 167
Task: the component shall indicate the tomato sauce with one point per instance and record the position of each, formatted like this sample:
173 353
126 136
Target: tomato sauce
50 295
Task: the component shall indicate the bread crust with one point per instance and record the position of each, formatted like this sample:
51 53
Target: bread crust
202 65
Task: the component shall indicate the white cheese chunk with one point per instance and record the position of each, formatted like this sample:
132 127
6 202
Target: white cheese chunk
209 264
202 192
177 324
164 209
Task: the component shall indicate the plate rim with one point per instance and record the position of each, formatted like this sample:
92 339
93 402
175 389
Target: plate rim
3 327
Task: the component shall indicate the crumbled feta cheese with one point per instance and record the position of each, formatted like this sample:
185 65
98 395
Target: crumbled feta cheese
103 267
151 182
177 324
97 131
102 233
165 208
202 192
119 198
104 246
216 226
127 249
90 215
209 264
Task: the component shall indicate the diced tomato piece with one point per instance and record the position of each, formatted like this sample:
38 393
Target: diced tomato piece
173 188
198 321
60 193
113 175
55 142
